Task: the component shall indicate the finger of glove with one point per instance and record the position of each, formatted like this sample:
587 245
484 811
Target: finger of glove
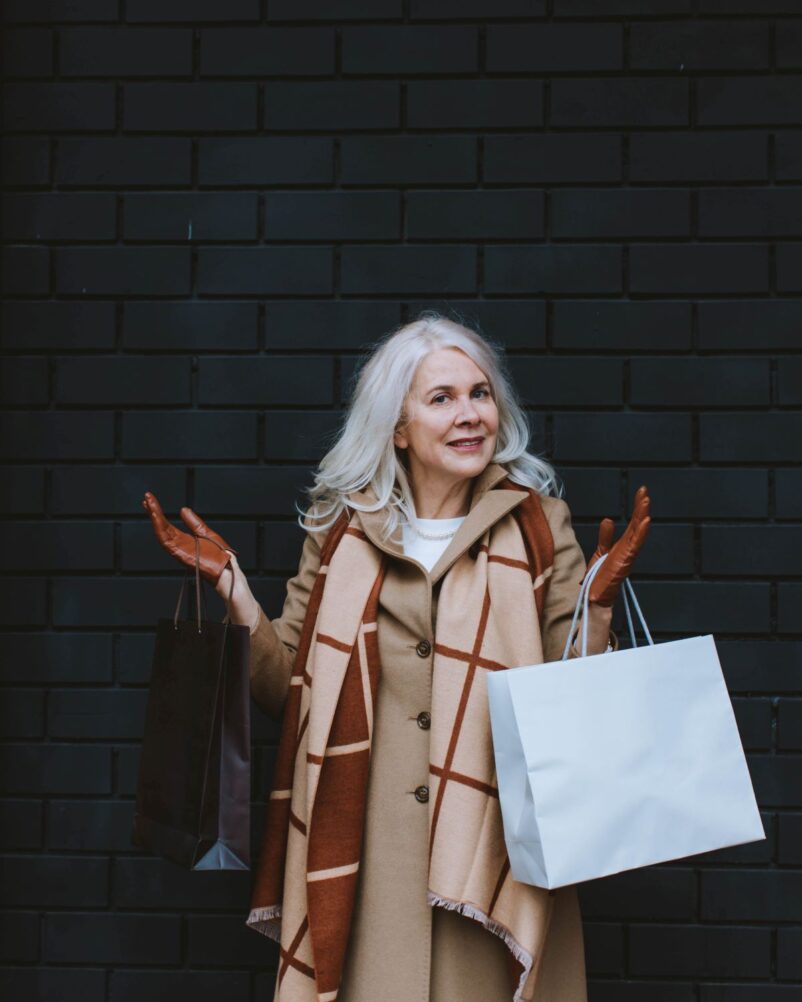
606 535
165 532
200 528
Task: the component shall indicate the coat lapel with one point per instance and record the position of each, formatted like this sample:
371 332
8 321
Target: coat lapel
487 506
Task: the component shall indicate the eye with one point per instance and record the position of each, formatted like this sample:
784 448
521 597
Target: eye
477 390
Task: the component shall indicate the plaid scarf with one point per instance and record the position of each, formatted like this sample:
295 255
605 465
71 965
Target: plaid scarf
488 614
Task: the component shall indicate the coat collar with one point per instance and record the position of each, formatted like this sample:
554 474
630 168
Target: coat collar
487 506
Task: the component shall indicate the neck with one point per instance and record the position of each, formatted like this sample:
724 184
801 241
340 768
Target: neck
440 501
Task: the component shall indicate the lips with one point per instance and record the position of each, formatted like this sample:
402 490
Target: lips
467 441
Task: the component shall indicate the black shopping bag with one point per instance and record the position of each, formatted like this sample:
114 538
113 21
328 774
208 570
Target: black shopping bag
193 793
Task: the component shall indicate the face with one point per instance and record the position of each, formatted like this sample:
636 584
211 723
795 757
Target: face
450 399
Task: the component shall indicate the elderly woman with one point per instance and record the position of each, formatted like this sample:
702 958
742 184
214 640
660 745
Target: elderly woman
437 550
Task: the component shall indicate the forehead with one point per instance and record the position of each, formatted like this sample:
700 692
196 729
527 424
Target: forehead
448 365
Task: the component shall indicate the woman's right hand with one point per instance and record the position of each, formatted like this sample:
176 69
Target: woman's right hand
214 553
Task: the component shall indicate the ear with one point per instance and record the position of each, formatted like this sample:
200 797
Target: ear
400 440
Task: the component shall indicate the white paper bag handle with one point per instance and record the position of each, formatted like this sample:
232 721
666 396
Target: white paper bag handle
582 602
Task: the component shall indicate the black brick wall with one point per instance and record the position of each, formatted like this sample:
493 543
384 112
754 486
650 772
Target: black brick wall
209 210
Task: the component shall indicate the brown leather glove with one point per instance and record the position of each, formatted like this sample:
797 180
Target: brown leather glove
212 559
621 555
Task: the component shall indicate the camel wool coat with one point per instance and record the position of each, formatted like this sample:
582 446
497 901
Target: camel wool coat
400 948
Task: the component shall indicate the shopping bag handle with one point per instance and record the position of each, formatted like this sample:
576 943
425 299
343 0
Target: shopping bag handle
199 591
582 603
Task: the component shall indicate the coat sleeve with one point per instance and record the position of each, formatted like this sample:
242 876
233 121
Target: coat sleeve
274 643
563 591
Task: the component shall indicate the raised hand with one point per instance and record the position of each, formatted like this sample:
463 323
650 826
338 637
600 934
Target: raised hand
621 554
212 558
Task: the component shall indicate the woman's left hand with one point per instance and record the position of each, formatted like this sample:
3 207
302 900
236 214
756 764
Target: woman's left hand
621 554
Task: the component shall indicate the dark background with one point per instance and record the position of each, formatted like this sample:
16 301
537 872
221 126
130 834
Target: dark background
210 210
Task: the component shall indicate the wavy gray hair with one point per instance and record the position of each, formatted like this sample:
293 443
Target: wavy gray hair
364 454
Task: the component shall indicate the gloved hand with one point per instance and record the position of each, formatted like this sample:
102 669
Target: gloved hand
212 556
621 554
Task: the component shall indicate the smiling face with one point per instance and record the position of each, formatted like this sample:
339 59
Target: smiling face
450 399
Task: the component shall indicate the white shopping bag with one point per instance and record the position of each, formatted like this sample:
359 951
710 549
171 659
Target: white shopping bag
613 761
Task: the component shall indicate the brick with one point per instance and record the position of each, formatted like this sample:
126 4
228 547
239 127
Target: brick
789 597
790 840
258 51
261 492
757 437
753 717
554 269
90 825
119 51
474 104
518 323
190 326
703 382
758 666
698 156
61 10
406 49
334 10
122 271
191 10
333 105
607 213
201 985
749 324
750 212
789 261
113 601
24 602
26 271
21 826
45 658
749 551
114 490
19 936
622 437
111 938
751 895
325 324
789 721
61 325
788 156
25 161
752 100
243 271
704 493
789 953
23 492
265 161
189 435
552 157
619 102
58 107
556 382
225 216
60 217
446 269
422 9
266 381
24 381
788 488
226 941
54 435
639 8
197 107
53 983
56 545
22 713
393 160
623 326
700 951
604 945
776 779
699 45
475 215
699 268
118 380
27 52
340 216
299 435
52 768
653 893
54 881
115 714
139 882
554 48
789 381
111 162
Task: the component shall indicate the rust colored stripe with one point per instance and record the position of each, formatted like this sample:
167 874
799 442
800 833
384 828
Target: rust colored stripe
460 777
287 957
499 884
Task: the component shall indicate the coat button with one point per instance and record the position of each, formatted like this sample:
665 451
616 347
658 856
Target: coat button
424 720
424 648
422 794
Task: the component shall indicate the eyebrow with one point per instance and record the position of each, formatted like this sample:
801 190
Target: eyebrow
447 386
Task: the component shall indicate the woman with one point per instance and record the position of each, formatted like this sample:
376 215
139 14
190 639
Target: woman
435 552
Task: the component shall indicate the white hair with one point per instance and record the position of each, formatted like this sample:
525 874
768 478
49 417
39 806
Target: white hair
364 454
